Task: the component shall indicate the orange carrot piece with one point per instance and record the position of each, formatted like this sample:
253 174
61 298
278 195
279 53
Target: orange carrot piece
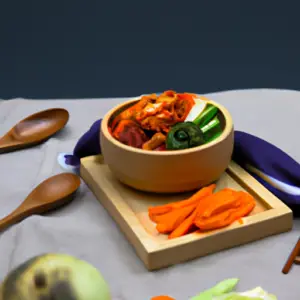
245 203
215 222
184 227
162 209
163 218
217 207
202 193
170 221
225 218
188 223
162 297
172 214
157 211
214 200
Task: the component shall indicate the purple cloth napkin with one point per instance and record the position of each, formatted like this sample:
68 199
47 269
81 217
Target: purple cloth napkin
272 167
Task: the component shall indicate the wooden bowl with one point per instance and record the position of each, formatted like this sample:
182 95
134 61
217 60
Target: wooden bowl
167 171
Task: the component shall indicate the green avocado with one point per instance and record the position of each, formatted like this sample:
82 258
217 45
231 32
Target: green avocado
54 277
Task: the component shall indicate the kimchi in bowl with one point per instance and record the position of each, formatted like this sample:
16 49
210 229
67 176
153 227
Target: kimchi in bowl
170 167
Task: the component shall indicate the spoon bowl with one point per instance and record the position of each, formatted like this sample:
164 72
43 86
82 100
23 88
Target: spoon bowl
52 193
34 129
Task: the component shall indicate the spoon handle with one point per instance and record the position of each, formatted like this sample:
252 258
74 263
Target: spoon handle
13 218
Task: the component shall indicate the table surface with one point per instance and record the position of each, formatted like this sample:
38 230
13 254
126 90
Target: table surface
85 229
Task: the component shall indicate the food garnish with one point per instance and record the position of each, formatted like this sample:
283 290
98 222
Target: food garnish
208 114
203 211
212 130
255 294
224 290
223 287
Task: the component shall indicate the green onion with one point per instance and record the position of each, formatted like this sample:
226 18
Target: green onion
206 116
223 287
212 130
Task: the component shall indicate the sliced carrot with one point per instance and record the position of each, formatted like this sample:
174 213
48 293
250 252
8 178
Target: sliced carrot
163 297
202 193
202 206
187 224
157 211
216 207
162 209
173 219
215 222
243 205
214 200
184 227
205 210
225 218
173 214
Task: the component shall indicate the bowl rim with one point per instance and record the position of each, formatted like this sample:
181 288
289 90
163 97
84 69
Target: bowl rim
226 132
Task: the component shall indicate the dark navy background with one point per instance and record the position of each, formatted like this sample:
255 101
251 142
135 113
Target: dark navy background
89 48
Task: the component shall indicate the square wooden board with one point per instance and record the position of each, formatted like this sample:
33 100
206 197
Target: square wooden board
129 208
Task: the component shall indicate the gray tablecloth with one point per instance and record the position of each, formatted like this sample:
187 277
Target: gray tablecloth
84 228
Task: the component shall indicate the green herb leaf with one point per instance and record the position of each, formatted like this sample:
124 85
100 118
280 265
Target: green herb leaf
223 287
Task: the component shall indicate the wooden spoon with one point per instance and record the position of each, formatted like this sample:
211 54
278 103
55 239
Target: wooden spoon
48 195
34 130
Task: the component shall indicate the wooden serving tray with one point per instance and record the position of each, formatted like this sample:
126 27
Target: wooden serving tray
129 208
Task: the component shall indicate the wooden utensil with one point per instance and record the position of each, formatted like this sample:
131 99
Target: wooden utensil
292 258
48 195
34 130
297 260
